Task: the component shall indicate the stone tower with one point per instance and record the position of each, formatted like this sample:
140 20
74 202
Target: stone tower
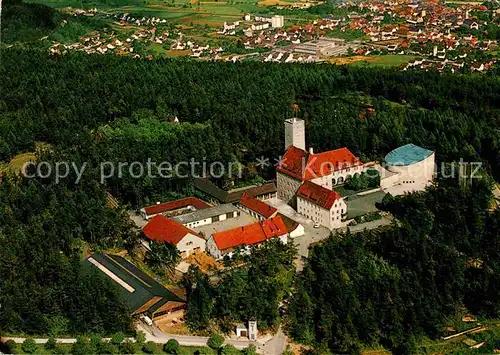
295 133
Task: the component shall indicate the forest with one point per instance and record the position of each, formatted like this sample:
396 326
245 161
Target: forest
95 108
253 289
67 101
392 286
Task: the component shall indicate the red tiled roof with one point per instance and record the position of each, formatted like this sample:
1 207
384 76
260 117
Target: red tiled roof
250 234
257 205
173 205
318 195
163 229
305 166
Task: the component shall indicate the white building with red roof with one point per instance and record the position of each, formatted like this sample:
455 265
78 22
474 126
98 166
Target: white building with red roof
183 205
297 165
225 243
321 205
256 207
165 230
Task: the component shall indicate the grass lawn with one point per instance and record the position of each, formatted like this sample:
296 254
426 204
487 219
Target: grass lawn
17 162
361 205
387 60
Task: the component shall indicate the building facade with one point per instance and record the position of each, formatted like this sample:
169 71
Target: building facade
287 187
295 133
413 164
225 243
256 208
165 230
321 205
208 215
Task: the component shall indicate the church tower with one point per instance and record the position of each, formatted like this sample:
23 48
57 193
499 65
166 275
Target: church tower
295 133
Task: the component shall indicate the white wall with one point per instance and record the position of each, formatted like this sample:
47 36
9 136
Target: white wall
190 242
418 173
203 222
217 254
295 133
328 218
338 208
324 181
297 232
345 174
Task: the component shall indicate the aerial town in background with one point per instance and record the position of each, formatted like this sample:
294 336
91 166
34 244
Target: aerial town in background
424 36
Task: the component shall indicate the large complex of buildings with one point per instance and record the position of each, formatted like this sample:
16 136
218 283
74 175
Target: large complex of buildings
222 228
322 46
307 180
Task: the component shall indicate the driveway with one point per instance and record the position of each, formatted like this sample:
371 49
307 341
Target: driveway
311 235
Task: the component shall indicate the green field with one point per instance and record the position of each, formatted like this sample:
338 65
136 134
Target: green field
387 60
185 11
203 12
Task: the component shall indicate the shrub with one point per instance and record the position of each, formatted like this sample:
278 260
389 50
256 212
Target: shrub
140 337
117 338
171 347
229 350
95 342
215 341
11 347
29 346
59 350
80 347
250 350
128 347
107 347
149 347
50 344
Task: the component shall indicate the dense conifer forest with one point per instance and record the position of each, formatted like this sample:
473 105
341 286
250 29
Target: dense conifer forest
392 286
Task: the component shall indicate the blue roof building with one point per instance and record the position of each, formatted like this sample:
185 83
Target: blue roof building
407 155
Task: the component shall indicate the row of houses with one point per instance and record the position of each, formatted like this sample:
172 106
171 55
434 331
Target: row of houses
184 222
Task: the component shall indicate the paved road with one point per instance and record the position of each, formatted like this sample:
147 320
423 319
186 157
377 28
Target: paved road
274 346
277 344
311 235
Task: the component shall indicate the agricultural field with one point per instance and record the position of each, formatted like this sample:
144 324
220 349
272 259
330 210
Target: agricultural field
212 13
388 60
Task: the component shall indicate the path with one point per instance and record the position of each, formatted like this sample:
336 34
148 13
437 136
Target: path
273 346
